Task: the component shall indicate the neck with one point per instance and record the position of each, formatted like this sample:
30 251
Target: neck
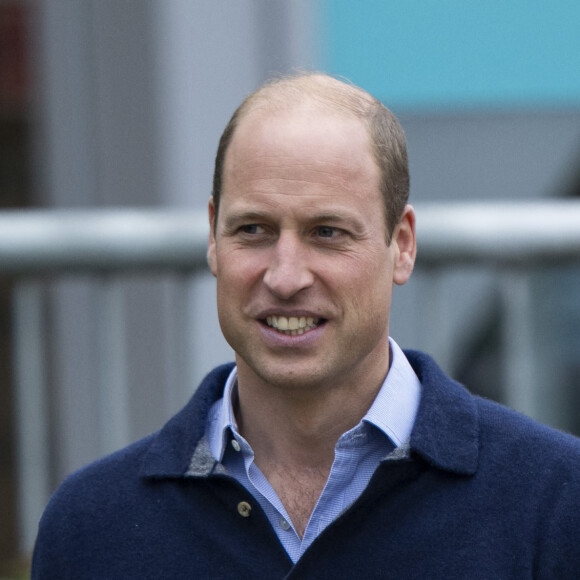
300 425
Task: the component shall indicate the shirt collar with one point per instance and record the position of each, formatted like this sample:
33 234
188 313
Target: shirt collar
395 407
393 411
221 418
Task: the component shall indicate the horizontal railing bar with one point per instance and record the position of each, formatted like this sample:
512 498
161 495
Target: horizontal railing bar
36 241
521 233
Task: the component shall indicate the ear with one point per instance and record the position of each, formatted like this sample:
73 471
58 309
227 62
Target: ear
405 245
211 248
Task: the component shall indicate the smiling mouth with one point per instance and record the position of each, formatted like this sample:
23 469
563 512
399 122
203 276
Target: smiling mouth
293 325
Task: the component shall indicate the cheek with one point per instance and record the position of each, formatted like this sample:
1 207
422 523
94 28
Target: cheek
367 274
370 292
238 272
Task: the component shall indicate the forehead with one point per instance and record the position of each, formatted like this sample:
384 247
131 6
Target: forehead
302 139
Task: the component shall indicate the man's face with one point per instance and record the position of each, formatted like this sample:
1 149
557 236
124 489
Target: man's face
304 273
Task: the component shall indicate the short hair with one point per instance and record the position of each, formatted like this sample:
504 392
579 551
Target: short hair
387 138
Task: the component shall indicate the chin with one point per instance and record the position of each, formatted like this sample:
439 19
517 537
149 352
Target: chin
291 378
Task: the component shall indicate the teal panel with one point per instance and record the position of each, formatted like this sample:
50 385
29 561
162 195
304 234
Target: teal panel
453 53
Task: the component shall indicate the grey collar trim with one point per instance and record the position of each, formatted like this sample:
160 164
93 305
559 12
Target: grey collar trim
398 453
203 463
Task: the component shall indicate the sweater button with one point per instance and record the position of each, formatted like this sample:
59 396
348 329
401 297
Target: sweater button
244 509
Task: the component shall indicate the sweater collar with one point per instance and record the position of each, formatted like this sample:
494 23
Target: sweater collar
445 434
173 447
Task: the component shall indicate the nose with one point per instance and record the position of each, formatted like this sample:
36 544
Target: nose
288 271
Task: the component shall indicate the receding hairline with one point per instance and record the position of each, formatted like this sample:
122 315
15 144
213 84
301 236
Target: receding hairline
330 94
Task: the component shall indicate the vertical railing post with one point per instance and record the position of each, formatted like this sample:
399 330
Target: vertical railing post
520 354
32 410
113 395
436 316
180 339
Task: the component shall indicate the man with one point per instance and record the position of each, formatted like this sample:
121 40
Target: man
325 452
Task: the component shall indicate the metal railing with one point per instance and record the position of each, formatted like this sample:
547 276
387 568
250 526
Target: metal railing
38 241
515 238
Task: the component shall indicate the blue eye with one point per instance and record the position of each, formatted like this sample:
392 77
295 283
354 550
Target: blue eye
250 229
326 231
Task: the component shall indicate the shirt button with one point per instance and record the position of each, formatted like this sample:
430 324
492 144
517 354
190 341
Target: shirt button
235 445
244 509
284 524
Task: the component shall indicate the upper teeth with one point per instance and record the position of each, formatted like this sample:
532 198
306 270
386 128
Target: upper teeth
293 323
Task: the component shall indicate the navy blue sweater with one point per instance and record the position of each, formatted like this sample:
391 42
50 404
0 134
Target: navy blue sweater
480 493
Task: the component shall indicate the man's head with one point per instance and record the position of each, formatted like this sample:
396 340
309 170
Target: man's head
331 95
305 264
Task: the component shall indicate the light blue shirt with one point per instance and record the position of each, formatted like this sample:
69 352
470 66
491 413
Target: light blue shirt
386 425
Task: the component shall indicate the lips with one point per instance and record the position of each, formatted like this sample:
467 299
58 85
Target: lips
293 325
